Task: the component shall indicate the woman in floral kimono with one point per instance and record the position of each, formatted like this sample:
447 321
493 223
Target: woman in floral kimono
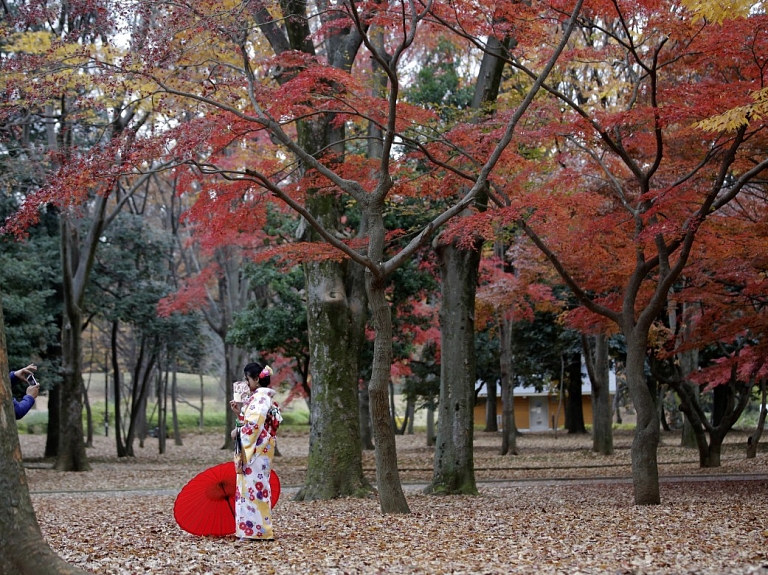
257 423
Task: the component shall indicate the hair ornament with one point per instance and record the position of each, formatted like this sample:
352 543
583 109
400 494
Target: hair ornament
266 372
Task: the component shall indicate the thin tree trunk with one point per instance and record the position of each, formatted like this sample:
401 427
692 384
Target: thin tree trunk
392 408
575 405
617 402
141 380
366 430
721 397
560 394
754 439
174 395
201 425
508 427
491 420
54 421
662 411
162 409
596 358
391 496
430 424
407 416
688 433
410 414
71 453
53 353
687 360
122 450
88 418
77 262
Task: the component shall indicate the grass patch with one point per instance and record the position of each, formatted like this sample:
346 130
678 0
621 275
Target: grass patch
215 418
34 423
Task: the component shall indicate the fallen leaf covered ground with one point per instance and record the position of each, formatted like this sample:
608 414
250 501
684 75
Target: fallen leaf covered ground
557 508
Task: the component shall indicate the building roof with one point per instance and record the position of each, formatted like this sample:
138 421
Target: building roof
529 390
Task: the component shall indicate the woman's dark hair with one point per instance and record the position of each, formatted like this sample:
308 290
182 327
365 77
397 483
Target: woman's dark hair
254 370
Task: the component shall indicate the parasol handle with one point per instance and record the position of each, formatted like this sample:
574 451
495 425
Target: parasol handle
227 498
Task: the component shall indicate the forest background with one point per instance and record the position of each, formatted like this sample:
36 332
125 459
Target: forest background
433 194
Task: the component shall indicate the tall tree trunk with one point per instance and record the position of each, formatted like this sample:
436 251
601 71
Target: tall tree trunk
174 396
23 550
77 263
508 427
335 306
88 418
391 496
53 354
141 384
54 421
392 409
410 414
162 408
617 401
491 421
454 465
722 395
754 439
366 429
122 451
335 431
645 466
575 406
201 423
688 363
596 357
430 425
663 391
71 453
454 471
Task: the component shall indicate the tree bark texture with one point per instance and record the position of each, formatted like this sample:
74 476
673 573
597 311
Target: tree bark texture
23 551
391 496
508 427
645 467
596 357
334 467
454 471
77 262
454 464
71 454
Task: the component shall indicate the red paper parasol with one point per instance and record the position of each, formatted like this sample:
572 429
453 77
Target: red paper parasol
206 505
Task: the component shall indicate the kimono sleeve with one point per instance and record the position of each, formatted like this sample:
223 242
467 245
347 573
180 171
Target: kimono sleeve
252 433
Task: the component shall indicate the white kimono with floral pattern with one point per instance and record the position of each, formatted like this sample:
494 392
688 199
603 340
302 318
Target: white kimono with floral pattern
259 418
